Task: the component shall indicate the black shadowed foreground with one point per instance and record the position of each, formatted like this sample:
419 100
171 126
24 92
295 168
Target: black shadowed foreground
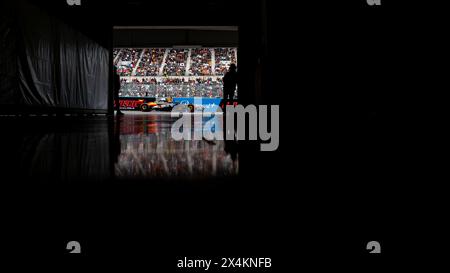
348 168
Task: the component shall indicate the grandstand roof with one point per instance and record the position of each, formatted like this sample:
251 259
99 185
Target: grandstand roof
212 28
169 36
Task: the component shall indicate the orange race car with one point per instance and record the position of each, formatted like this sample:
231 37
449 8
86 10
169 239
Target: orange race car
164 104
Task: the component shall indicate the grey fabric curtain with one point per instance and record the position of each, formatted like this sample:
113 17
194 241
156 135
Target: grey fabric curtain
8 55
54 65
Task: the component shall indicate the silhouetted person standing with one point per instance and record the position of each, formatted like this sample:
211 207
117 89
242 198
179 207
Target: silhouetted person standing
229 82
116 91
229 86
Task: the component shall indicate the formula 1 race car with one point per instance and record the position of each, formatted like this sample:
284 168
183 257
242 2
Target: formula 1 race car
180 105
159 105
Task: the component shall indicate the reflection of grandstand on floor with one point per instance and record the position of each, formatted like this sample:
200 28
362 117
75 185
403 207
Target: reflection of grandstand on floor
150 154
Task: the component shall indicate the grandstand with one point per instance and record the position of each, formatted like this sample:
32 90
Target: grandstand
175 72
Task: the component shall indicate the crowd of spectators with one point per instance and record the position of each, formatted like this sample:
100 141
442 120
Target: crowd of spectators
116 53
128 60
200 62
176 62
173 87
140 71
224 57
150 62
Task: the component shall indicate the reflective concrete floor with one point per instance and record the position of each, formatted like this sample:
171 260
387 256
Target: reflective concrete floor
136 145
147 149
